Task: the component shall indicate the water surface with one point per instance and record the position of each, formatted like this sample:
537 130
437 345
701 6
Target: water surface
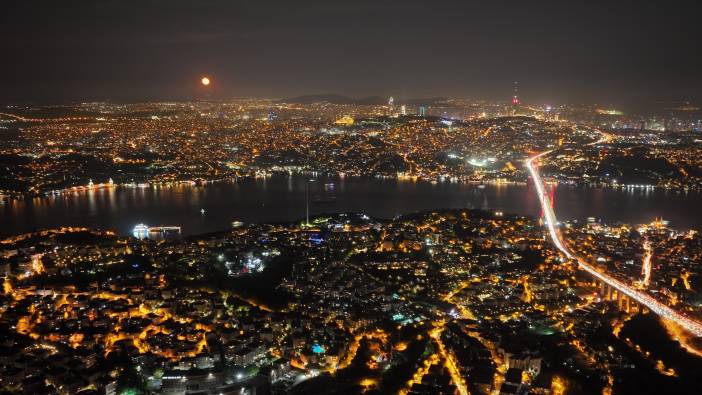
282 198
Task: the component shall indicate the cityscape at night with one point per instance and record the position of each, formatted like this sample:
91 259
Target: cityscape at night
371 197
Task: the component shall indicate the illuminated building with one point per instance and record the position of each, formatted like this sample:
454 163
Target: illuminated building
141 231
164 232
345 120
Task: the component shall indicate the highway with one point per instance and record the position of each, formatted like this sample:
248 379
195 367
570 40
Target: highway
663 310
647 266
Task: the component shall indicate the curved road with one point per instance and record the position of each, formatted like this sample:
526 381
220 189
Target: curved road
663 310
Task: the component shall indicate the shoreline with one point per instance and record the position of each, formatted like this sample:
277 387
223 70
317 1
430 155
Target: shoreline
14 196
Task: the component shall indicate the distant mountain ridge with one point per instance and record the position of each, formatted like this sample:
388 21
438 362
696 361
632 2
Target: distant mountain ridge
369 100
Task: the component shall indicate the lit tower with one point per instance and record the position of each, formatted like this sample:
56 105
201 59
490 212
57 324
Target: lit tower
515 98
391 104
307 202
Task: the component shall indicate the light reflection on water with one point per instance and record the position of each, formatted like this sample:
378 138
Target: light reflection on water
282 198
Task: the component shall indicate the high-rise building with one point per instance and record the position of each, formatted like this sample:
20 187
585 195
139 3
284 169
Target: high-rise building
403 110
422 111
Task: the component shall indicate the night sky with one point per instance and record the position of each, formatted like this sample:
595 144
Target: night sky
618 52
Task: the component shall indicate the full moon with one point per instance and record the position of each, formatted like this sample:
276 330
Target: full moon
205 81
